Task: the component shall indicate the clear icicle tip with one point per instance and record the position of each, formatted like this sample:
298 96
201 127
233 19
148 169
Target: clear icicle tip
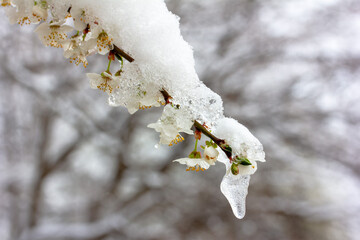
235 189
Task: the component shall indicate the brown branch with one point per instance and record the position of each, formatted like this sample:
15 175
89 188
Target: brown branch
220 142
122 53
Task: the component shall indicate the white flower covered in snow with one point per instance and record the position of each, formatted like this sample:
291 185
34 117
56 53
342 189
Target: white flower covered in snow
173 121
79 18
77 50
103 40
104 81
134 91
144 100
93 30
26 12
53 34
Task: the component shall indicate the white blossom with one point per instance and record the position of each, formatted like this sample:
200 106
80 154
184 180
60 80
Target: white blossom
143 100
53 34
93 30
173 121
77 50
26 12
79 18
103 40
210 155
147 96
104 81
194 164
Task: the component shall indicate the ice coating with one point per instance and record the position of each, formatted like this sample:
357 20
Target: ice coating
240 138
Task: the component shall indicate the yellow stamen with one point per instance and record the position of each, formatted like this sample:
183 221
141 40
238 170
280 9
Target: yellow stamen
176 140
144 107
197 168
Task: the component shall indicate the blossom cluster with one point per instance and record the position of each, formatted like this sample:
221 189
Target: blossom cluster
159 71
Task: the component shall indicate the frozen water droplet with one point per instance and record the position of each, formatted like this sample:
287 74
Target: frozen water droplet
156 146
235 189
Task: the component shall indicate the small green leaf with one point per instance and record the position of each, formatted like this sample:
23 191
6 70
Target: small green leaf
243 161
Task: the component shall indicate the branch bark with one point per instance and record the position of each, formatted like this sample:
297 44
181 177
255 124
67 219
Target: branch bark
122 53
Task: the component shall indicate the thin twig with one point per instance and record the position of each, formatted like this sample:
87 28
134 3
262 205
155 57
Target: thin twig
122 53
220 142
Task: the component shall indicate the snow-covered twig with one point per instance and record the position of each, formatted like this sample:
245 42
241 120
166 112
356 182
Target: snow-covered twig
160 71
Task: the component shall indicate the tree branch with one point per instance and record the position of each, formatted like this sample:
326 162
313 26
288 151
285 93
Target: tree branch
220 142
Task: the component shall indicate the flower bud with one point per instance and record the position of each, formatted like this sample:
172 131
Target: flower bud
234 169
211 155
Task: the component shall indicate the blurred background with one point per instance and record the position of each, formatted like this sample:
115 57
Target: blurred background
71 167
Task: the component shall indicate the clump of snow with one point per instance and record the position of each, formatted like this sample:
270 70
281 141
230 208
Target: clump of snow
242 142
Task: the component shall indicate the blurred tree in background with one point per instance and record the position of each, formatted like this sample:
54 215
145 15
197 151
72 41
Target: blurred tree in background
71 167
